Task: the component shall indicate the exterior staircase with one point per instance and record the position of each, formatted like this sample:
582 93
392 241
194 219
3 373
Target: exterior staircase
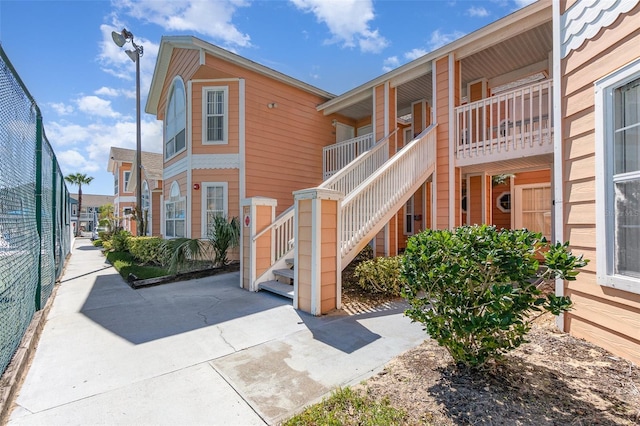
375 188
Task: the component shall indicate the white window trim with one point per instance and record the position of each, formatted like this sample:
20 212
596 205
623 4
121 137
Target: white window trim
225 139
164 125
406 213
169 200
125 181
225 202
604 89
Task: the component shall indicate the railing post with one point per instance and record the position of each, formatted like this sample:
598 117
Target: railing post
318 271
255 257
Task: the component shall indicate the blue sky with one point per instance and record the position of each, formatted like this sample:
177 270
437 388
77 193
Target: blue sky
85 85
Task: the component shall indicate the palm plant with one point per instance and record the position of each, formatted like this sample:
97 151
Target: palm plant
222 236
78 179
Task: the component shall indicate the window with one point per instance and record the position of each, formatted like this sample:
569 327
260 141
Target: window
214 203
215 115
74 210
127 176
175 213
175 120
408 217
618 178
146 211
504 202
115 183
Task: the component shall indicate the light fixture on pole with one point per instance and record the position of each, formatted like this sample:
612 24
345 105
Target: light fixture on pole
120 38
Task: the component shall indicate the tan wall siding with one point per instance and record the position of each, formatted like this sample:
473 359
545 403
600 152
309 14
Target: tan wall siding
156 213
304 258
602 315
328 255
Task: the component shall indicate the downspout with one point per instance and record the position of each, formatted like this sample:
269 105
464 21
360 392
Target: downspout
189 191
558 178
434 181
242 161
452 170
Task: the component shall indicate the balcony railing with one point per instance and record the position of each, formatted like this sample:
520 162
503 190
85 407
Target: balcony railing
513 124
336 156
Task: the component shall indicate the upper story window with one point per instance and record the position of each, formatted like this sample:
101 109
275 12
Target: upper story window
115 182
175 120
127 176
215 115
618 178
145 196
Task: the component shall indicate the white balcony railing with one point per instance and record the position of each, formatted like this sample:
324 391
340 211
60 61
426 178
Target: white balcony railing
513 124
337 156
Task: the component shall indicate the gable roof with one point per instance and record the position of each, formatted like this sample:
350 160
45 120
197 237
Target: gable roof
168 43
152 162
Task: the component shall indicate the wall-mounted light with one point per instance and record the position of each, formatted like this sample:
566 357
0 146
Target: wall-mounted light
272 105
334 122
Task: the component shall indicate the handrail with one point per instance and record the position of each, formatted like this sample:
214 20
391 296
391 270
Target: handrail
513 120
339 155
277 221
373 200
350 176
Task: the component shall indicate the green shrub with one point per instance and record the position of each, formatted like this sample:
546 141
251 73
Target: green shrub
349 279
119 240
473 287
223 235
104 235
147 250
107 245
97 243
381 275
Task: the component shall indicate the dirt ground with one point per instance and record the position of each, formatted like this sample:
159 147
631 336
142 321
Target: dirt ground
555 379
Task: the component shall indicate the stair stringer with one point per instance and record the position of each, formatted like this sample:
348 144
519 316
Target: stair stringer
386 217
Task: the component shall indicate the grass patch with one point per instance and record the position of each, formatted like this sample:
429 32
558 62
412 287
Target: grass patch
346 407
125 265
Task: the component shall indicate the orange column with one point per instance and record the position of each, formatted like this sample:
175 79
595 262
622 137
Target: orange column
255 258
317 278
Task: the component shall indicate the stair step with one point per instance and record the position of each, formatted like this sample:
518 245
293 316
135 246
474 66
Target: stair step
290 262
278 288
286 273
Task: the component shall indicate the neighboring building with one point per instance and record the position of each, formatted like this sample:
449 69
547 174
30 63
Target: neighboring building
599 64
121 164
419 148
91 204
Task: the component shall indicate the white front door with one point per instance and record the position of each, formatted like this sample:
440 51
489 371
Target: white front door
344 132
532 205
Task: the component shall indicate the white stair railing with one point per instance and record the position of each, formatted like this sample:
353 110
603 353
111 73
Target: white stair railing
345 181
337 156
366 210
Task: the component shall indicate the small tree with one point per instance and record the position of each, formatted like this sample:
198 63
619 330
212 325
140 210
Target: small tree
78 179
475 288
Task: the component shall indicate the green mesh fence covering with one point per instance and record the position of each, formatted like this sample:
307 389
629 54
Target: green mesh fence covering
34 212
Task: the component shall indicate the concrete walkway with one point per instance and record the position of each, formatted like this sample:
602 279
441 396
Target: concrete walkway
199 352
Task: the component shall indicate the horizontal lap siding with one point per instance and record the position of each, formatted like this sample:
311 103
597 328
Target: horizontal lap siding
442 144
200 176
605 316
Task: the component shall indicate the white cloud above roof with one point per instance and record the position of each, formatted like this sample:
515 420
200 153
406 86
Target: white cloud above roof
348 22
477 12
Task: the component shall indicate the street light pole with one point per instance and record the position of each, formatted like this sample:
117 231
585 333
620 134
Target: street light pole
120 39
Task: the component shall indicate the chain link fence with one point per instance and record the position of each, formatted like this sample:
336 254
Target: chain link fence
34 212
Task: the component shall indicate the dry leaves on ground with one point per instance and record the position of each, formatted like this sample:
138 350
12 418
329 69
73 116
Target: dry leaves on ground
555 379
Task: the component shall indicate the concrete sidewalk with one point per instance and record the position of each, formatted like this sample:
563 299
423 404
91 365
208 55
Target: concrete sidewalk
193 352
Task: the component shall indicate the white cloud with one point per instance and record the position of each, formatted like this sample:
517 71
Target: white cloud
95 106
61 108
209 17
523 3
116 62
415 54
390 63
439 39
477 12
107 91
348 22
74 160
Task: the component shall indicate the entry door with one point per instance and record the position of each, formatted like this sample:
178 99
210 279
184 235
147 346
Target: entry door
344 132
532 205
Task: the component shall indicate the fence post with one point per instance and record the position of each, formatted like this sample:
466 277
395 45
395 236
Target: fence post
39 208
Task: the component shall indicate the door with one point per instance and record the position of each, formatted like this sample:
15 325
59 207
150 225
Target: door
532 205
344 132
